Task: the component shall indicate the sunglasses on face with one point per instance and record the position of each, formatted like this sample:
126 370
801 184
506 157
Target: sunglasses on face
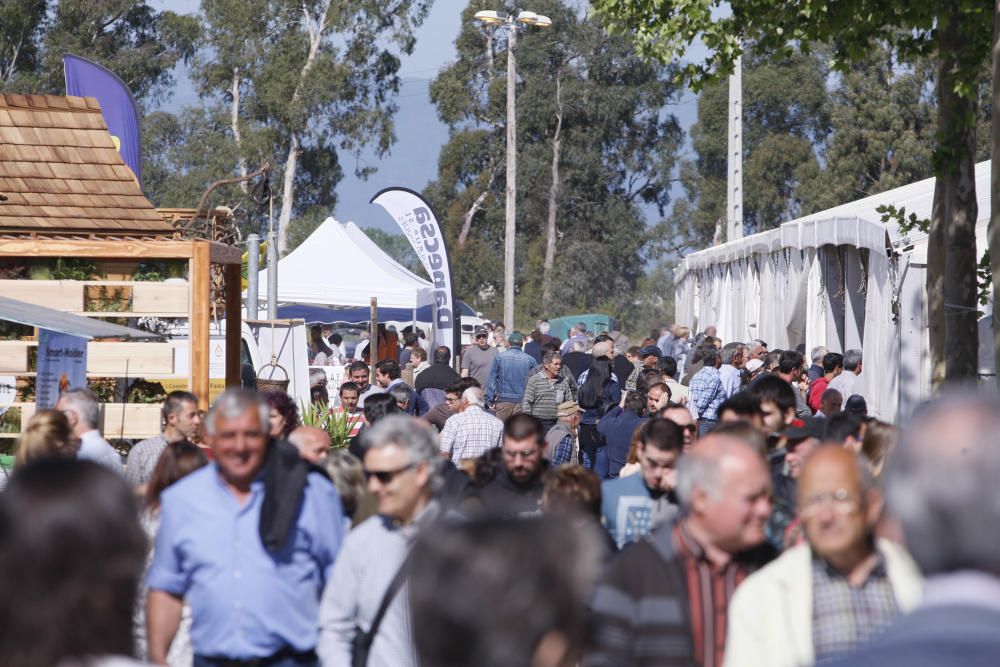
386 476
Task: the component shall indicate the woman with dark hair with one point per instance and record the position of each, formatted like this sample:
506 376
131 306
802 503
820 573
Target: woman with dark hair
71 553
178 460
319 352
283 417
598 393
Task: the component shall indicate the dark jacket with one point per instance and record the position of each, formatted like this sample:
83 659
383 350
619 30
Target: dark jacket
503 497
577 362
534 350
641 614
436 376
963 635
617 428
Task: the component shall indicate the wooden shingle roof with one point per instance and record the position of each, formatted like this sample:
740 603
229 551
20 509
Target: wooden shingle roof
60 172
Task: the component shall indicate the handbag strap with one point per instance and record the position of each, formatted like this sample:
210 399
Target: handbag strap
397 582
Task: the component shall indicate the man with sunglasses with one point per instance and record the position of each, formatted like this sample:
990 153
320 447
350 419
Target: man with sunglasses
403 469
821 599
516 490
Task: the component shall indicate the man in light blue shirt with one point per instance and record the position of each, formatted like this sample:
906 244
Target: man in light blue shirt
83 411
248 603
731 371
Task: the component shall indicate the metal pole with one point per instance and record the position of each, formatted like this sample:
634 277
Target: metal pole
373 341
734 181
272 262
253 271
272 275
510 230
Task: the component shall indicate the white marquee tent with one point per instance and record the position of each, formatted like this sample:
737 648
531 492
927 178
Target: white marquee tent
840 278
331 268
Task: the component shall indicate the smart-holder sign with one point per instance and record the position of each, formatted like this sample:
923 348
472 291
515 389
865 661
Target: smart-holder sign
62 365
414 217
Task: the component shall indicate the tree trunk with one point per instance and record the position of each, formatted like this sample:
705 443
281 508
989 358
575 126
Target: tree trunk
316 31
935 285
550 238
467 218
234 123
956 211
994 228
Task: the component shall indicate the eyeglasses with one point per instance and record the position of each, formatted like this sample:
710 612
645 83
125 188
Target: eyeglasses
841 500
386 476
690 428
450 399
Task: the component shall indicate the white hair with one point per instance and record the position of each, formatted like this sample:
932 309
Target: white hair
473 396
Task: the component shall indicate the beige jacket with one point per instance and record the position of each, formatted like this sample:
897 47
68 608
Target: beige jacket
770 615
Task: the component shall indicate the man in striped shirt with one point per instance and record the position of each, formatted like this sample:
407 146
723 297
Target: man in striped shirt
663 601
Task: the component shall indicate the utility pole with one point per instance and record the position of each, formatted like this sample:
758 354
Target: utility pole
510 227
511 22
734 161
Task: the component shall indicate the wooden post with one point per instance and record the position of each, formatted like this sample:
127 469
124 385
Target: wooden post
234 339
373 341
200 321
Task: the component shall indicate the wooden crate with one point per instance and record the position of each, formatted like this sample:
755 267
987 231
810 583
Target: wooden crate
160 298
134 359
59 294
14 356
142 420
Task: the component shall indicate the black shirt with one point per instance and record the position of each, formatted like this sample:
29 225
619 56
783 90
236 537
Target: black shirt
436 376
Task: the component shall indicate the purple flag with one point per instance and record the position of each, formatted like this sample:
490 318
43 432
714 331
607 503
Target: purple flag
87 79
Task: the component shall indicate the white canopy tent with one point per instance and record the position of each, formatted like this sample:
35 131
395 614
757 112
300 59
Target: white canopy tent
365 242
840 278
331 269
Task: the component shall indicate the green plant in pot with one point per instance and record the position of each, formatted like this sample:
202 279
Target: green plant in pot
338 425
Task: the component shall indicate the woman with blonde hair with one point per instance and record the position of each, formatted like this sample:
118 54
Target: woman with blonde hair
48 435
879 440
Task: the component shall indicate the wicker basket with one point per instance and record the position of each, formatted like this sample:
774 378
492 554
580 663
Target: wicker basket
271 383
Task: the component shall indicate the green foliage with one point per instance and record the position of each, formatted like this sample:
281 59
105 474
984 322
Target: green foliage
316 75
785 122
618 149
338 425
136 42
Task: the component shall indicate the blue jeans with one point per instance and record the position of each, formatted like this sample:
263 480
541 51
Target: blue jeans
602 464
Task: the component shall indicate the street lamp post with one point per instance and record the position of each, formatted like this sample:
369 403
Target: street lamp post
510 21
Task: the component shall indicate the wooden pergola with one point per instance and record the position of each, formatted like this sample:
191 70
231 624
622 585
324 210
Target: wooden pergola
66 193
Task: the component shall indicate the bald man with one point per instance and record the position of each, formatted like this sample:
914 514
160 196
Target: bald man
821 599
313 443
693 564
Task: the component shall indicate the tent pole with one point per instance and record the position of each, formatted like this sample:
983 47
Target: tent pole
373 340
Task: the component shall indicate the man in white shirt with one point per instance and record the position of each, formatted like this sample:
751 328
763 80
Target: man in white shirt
83 411
848 383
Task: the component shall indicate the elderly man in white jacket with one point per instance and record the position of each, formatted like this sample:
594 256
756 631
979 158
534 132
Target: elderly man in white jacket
821 599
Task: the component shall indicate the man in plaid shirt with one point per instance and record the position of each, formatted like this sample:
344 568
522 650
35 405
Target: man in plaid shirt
472 431
706 392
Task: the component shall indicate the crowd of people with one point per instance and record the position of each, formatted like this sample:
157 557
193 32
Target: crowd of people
683 501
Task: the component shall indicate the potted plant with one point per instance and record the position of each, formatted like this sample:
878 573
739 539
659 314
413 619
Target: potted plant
338 425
